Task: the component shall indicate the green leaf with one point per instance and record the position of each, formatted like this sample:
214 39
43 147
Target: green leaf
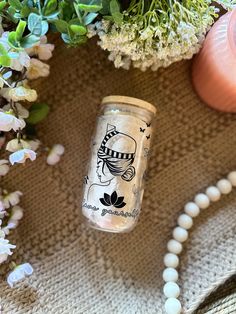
50 7
15 4
117 17
105 7
3 50
34 24
2 5
115 11
114 7
90 6
24 12
20 30
11 12
29 41
78 29
66 38
13 41
5 61
61 26
88 19
44 26
37 113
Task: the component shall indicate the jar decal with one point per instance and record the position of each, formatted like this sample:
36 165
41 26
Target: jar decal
114 184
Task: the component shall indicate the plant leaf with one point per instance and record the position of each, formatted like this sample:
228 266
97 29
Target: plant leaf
90 6
37 113
20 30
61 26
35 24
50 7
2 5
78 29
88 19
5 61
29 41
16 4
13 41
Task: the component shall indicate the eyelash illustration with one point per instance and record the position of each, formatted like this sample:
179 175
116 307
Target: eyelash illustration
142 130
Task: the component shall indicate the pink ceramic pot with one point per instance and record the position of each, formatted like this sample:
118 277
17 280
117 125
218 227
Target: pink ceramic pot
214 68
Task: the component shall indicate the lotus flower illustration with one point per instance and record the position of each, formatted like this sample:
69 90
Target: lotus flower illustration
113 200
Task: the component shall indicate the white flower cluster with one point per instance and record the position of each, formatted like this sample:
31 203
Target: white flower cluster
10 214
25 64
157 37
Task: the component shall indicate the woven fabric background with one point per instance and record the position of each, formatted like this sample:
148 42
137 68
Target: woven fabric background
82 271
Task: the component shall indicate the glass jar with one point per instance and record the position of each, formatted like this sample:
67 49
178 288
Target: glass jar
114 186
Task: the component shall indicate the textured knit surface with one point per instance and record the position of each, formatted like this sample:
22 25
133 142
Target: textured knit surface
82 271
221 301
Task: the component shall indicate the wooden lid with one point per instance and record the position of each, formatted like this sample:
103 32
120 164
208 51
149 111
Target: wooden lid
130 101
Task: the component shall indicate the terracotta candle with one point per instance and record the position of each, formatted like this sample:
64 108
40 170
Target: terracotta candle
214 68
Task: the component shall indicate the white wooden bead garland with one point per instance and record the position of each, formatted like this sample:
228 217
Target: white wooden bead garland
180 234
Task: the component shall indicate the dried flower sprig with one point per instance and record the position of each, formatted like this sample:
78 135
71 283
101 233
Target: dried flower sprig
155 33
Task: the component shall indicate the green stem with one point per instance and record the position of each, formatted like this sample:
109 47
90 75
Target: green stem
78 13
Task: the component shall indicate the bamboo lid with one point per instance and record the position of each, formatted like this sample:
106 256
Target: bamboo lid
130 101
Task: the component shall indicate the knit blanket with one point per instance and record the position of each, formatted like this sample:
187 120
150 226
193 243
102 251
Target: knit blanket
78 270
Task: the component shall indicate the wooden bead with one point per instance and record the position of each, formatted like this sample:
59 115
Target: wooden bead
202 200
170 274
174 246
185 221
173 306
213 193
192 209
224 186
171 290
171 260
232 177
180 234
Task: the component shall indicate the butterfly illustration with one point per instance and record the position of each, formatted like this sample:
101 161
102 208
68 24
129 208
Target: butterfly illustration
148 125
142 130
148 137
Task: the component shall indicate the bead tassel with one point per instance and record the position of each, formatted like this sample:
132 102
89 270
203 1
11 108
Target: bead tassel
180 234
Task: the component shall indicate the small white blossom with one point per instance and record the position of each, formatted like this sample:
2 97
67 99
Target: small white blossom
16 145
8 122
55 154
20 156
5 247
4 168
42 50
21 111
3 258
20 61
19 273
12 199
37 69
34 144
16 214
19 93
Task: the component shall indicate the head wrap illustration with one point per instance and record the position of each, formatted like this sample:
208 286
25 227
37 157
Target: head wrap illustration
116 156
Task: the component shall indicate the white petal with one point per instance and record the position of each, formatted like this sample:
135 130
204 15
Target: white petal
58 149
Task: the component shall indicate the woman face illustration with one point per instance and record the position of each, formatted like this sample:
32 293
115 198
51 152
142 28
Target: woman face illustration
103 172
